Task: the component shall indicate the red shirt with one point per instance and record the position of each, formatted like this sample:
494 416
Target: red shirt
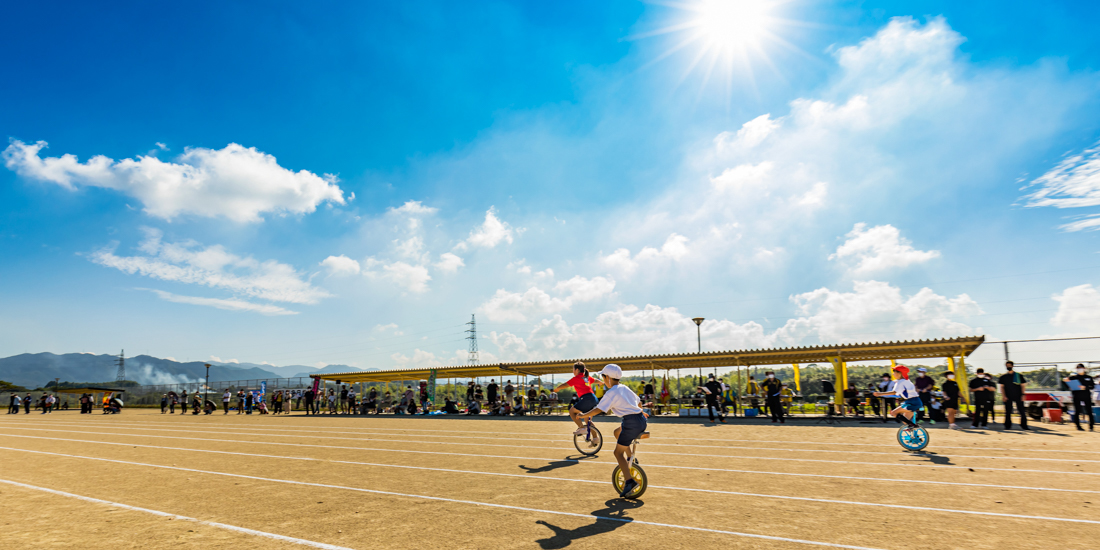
580 385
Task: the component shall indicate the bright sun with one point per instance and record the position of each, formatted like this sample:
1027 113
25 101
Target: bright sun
732 24
729 37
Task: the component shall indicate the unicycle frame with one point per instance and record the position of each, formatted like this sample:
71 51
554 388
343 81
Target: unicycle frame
632 461
589 428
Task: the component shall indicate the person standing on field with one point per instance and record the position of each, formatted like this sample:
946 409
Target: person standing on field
226 398
713 391
983 389
1082 397
951 399
183 402
1012 392
163 404
773 390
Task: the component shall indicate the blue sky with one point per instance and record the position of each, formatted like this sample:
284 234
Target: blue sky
295 185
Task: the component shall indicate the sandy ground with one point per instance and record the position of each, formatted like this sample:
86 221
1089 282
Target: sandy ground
430 482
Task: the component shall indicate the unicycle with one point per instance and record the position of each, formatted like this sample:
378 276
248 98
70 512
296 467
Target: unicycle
636 472
591 442
913 439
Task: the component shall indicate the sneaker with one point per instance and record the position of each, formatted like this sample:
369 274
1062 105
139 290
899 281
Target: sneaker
628 487
933 422
1025 428
580 431
953 426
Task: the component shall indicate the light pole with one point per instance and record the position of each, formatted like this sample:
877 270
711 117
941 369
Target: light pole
207 388
699 340
56 394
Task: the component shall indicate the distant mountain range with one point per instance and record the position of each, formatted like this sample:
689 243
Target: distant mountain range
36 369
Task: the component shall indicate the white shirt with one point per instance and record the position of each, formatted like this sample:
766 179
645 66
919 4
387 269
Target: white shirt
225 397
904 388
619 400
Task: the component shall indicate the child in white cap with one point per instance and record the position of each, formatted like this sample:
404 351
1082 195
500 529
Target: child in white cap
620 401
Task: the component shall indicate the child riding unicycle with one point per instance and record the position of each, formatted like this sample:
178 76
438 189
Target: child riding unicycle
911 436
621 401
586 438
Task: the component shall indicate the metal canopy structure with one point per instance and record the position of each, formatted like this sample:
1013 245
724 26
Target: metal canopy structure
87 389
838 356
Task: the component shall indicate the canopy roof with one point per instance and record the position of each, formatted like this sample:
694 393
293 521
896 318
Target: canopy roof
878 351
86 389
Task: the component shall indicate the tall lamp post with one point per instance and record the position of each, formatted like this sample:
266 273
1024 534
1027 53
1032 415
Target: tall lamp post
207 388
56 394
699 340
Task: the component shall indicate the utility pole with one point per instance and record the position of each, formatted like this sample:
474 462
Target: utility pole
120 375
699 340
207 388
471 357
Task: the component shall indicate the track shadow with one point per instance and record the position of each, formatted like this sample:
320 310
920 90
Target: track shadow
557 464
937 459
607 520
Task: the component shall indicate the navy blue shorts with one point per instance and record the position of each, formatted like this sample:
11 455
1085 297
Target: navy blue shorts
913 404
587 402
633 426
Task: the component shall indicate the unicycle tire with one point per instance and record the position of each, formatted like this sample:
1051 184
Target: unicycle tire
913 439
589 445
617 479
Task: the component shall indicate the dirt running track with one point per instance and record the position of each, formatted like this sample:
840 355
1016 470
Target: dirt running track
142 479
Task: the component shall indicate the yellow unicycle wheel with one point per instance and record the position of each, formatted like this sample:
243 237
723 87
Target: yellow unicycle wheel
636 472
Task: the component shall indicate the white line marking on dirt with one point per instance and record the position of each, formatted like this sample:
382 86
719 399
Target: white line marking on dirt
370 437
664 437
709 469
244 530
459 501
530 476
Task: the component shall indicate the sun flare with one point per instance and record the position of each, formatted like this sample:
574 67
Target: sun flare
732 24
727 39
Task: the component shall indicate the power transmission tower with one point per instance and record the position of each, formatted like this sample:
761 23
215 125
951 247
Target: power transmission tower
471 358
121 362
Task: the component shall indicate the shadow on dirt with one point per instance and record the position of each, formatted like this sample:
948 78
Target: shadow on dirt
555 465
607 519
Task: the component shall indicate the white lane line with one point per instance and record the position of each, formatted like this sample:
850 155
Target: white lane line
753 472
369 437
662 436
244 530
891 464
458 501
375 432
755 495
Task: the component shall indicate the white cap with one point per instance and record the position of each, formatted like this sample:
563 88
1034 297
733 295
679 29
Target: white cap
612 371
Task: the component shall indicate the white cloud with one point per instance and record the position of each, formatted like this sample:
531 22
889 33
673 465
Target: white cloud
412 248
743 175
449 263
219 359
413 278
414 208
1078 309
213 267
872 311
674 249
514 306
878 248
815 196
231 304
1073 183
875 310
580 289
391 327
340 265
492 232
751 134
235 182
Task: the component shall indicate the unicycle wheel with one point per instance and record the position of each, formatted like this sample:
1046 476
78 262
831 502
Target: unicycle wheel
617 479
590 444
913 439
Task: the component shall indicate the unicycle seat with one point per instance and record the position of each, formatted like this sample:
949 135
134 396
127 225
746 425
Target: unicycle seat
644 435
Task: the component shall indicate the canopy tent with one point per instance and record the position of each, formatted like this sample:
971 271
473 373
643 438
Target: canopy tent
837 355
